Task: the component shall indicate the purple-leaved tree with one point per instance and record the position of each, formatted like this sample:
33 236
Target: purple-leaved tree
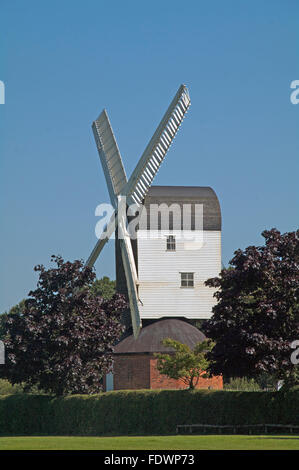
62 340
257 315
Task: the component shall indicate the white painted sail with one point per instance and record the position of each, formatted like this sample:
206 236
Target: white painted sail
154 154
134 190
110 156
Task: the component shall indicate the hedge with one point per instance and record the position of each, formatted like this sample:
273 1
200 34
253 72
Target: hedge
142 412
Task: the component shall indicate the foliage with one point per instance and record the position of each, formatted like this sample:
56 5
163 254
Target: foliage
142 411
185 364
6 388
62 342
257 314
16 309
104 288
242 383
266 381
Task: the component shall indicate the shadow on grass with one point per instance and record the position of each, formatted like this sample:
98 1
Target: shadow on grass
280 437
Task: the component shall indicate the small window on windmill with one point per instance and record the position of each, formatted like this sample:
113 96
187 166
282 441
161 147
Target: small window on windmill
187 279
170 243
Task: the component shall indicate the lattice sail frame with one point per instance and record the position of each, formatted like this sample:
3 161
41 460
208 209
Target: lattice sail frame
134 190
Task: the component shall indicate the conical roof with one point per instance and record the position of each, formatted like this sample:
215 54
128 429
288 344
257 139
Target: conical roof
150 337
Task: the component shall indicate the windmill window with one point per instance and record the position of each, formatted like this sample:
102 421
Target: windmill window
187 279
170 243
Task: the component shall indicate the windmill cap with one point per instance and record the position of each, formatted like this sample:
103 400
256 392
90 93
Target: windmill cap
181 195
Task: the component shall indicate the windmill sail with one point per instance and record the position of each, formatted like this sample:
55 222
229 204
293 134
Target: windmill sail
133 191
109 155
130 272
114 174
107 233
154 154
132 288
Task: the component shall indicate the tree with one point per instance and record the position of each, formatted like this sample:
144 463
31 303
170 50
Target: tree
257 315
63 340
19 308
185 364
104 287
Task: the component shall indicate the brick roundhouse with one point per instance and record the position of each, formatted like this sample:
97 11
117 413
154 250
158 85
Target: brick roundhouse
135 361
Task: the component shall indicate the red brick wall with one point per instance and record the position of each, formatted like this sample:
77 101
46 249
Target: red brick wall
131 372
139 371
158 380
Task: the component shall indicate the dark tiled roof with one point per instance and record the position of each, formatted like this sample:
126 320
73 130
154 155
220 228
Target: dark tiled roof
150 337
188 195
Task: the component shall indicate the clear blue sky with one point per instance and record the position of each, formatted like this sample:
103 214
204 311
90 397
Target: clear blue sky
64 61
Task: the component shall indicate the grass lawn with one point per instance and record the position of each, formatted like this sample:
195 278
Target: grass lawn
211 442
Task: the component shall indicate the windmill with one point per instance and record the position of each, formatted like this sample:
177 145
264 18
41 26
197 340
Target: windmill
134 190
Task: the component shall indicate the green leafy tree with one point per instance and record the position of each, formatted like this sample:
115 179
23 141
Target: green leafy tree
184 363
104 288
242 384
6 388
16 309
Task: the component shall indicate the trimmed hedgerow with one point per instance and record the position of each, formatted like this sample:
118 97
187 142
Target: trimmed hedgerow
142 411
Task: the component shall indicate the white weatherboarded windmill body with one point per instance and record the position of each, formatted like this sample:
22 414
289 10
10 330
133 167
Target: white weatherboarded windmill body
163 276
